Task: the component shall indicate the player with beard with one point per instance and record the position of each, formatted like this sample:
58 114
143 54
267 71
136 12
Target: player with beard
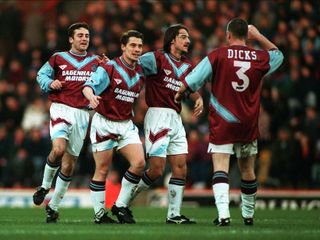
165 136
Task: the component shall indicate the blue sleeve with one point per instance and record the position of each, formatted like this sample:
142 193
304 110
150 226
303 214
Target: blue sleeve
148 63
98 81
201 74
45 77
276 59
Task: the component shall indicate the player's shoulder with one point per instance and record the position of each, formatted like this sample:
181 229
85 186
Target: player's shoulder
217 52
186 59
114 63
59 53
92 55
157 54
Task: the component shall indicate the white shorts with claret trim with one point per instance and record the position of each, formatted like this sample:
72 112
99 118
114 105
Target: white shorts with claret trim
241 150
164 133
69 123
106 134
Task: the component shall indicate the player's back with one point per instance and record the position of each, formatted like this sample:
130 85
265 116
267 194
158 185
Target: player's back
236 86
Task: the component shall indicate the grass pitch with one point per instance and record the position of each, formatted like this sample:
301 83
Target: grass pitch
29 223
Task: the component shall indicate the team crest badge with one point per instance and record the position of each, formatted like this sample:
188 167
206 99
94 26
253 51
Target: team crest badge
94 67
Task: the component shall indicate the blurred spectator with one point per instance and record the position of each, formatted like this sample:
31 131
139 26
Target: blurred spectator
5 145
38 147
16 72
12 112
199 161
35 115
286 155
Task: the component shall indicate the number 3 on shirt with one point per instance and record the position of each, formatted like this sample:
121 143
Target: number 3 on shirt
244 66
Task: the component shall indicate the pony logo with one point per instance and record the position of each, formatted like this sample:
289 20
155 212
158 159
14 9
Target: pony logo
167 72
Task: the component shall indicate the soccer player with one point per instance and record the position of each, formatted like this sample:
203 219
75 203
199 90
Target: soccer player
235 73
165 136
63 77
112 91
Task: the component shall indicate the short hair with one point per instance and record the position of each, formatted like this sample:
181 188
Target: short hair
238 27
170 34
75 26
131 33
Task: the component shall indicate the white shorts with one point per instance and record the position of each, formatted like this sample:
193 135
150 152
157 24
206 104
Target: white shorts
69 123
241 150
106 134
164 133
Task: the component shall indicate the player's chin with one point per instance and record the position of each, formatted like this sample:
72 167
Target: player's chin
135 58
84 47
184 51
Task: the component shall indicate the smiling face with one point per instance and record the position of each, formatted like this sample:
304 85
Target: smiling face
80 40
132 50
181 42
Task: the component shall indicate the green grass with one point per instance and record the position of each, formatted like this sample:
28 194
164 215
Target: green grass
23 223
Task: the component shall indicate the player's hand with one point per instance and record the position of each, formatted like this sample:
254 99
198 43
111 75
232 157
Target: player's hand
94 101
198 106
103 59
178 97
56 85
253 32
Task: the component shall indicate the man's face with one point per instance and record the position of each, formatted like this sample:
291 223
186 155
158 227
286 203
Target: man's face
80 40
132 50
182 41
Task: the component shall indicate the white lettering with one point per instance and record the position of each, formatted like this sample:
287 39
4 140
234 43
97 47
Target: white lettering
75 75
242 54
172 87
125 98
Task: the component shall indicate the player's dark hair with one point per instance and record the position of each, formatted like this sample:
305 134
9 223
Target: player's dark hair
171 34
75 26
238 27
131 33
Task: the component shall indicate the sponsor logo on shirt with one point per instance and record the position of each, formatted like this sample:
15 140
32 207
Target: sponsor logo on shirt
125 95
76 75
172 83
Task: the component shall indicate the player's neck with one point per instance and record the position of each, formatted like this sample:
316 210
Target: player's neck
127 62
175 55
237 42
78 53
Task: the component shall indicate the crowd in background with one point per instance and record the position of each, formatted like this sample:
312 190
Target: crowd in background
289 145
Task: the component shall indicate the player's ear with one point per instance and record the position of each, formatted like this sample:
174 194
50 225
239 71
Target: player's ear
70 40
123 47
228 35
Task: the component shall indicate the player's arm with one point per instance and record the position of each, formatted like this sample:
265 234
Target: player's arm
276 56
201 74
198 103
46 74
148 63
97 83
45 78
